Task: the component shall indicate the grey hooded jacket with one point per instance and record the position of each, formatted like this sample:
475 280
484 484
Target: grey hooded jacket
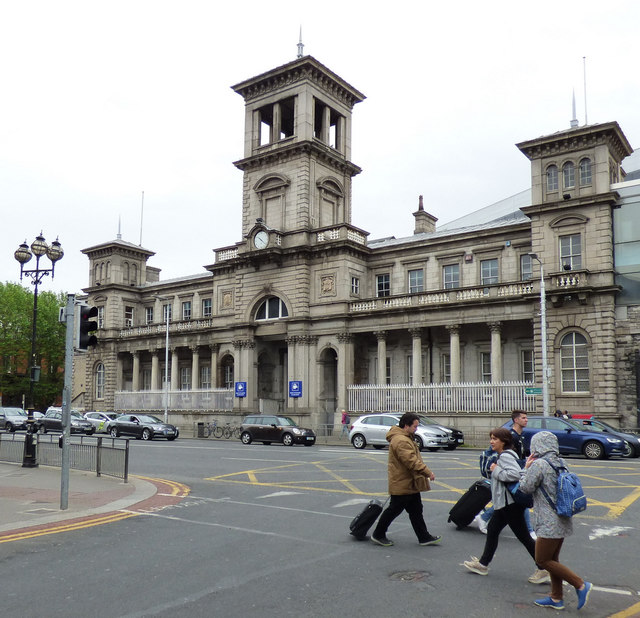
507 471
546 522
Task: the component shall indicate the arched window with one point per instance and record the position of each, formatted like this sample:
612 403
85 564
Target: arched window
585 172
568 175
99 381
574 361
226 365
134 274
552 178
272 309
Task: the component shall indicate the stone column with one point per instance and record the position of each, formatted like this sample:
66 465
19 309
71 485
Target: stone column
155 374
313 377
496 351
345 370
195 367
119 373
174 369
136 370
276 123
292 374
416 354
246 371
382 356
326 124
454 352
214 347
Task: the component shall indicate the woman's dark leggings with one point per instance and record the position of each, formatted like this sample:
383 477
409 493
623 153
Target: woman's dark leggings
512 516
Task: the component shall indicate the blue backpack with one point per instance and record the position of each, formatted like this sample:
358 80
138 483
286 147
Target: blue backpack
570 498
486 459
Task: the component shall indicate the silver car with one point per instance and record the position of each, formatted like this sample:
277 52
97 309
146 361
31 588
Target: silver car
12 419
101 420
372 429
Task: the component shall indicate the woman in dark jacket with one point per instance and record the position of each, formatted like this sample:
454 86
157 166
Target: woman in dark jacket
506 470
550 527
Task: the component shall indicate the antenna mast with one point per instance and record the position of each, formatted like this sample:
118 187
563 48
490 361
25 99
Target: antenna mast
584 72
300 45
141 215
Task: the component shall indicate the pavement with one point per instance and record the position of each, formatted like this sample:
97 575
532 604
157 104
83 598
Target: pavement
31 496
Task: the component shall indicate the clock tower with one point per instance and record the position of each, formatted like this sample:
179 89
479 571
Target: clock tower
297 149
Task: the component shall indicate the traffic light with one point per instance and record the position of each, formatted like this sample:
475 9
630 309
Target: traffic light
85 326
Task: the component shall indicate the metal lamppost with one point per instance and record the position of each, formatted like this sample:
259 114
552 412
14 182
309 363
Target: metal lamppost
543 336
23 254
166 360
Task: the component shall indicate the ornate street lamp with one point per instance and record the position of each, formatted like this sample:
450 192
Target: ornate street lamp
23 254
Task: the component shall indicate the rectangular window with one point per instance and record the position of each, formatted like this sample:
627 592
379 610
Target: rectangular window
445 367
527 366
166 313
388 370
128 317
100 317
186 310
410 369
571 252
451 276
185 378
355 286
148 315
146 379
416 281
383 285
228 376
205 377
526 267
489 271
100 379
206 308
485 366
166 377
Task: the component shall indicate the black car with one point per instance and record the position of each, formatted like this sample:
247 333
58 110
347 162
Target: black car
52 421
455 436
631 441
267 429
142 427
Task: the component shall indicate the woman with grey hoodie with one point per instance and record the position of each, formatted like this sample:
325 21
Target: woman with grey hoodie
550 527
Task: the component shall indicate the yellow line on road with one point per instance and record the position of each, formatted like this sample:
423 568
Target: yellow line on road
177 489
630 612
66 527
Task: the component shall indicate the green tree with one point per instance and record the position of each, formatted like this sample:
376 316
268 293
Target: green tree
16 314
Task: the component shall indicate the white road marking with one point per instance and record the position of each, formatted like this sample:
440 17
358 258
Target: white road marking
277 494
598 533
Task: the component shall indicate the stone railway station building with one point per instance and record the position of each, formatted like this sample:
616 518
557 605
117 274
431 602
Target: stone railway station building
306 295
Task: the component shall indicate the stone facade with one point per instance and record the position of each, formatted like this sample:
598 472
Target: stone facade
305 295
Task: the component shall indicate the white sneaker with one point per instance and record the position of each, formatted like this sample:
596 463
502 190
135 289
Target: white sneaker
534 536
482 524
540 576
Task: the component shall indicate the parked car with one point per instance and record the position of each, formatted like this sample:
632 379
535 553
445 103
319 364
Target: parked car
573 438
270 428
12 419
373 428
456 437
52 421
101 420
631 441
142 427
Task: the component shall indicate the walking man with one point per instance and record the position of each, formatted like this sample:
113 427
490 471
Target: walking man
408 476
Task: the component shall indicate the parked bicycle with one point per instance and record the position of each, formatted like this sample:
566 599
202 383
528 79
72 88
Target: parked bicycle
213 429
230 431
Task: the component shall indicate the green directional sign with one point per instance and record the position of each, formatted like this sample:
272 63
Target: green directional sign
533 390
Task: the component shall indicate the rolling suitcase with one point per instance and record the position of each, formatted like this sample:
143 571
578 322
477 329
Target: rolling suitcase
361 523
470 504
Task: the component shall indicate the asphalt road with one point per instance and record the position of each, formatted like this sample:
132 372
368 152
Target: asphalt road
264 532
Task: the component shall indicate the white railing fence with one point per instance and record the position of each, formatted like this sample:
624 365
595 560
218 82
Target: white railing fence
211 400
483 397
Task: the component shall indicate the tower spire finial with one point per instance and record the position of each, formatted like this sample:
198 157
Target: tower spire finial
574 120
119 236
300 45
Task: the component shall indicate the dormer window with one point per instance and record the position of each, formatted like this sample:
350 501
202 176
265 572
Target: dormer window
552 178
568 175
272 309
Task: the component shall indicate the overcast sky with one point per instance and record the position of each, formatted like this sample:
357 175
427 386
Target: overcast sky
104 100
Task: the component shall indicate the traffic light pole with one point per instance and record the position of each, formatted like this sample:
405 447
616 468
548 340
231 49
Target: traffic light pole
66 401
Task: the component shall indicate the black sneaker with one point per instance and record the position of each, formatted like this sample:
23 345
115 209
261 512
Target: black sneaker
431 540
384 541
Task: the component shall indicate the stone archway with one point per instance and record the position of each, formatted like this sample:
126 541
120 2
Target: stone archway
328 386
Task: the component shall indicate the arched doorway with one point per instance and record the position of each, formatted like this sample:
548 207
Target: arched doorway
328 386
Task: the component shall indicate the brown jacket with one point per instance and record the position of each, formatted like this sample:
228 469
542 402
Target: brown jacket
407 472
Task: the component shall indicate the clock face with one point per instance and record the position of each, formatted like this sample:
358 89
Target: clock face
261 240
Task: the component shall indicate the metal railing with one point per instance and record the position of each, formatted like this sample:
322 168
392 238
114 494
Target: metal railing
215 399
484 397
102 455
